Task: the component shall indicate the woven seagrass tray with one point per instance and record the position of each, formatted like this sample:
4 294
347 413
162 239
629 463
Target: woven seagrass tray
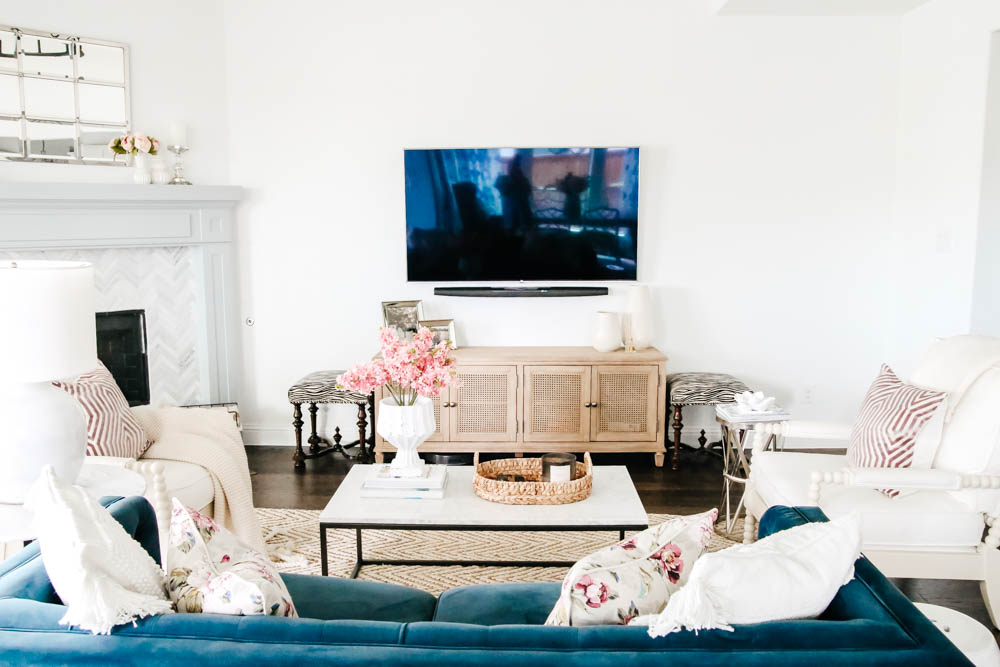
533 491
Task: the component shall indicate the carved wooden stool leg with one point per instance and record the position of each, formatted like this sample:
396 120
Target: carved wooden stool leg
299 455
336 438
702 440
314 438
369 458
678 425
362 432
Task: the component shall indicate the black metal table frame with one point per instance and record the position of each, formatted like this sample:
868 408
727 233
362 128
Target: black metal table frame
361 561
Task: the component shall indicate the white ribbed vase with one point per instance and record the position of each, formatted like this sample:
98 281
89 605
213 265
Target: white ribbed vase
641 310
405 427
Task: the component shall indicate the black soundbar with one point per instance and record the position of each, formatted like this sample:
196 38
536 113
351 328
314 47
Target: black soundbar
520 291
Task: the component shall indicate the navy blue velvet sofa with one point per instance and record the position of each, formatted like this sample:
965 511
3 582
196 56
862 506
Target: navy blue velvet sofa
346 622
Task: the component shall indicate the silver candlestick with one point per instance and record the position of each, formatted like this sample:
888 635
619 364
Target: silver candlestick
178 178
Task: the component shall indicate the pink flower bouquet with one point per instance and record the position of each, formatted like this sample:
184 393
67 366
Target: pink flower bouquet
132 144
406 369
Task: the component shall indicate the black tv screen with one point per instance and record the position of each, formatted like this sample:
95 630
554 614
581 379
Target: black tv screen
521 214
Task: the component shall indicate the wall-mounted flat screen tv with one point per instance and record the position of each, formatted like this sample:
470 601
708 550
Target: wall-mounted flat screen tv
521 214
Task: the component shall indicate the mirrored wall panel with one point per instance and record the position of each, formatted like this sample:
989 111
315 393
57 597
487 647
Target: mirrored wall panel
62 98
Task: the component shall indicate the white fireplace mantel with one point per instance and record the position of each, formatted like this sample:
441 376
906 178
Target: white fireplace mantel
61 217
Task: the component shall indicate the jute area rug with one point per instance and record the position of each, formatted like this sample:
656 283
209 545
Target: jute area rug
295 535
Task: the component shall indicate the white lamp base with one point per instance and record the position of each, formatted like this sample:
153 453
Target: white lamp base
39 425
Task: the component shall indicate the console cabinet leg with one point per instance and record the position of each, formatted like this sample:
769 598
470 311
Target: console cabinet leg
659 459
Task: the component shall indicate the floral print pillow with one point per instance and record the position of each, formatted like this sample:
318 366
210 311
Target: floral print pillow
213 572
634 577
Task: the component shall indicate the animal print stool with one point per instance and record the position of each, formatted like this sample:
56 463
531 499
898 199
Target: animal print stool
321 387
684 389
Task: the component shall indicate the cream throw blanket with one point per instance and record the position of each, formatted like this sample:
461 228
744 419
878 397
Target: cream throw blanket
208 438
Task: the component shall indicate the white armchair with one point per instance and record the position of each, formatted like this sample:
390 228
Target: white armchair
945 525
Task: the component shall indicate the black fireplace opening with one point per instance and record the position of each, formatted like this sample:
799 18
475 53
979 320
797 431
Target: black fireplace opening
121 347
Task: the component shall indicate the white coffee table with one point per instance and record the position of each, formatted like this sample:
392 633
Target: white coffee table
613 505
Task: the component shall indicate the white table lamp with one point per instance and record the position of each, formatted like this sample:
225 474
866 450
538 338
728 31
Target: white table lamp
47 332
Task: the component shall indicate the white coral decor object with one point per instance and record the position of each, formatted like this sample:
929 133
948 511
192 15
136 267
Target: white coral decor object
406 427
754 401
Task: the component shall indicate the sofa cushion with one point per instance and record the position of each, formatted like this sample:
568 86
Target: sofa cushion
635 576
213 571
498 604
793 573
932 519
333 598
894 426
23 575
112 429
188 482
100 571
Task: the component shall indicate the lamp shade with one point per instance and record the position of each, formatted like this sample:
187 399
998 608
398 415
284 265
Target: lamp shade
47 326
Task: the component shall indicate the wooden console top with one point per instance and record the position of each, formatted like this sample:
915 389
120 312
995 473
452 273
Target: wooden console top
555 355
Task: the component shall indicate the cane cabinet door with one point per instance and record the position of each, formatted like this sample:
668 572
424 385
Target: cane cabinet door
484 408
624 403
440 417
556 403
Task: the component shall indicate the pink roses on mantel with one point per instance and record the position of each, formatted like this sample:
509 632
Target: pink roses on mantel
407 369
131 144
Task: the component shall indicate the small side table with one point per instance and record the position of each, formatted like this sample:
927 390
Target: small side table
735 464
321 387
968 635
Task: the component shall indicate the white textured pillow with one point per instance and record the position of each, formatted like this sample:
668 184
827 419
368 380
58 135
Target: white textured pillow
635 576
103 576
212 571
793 573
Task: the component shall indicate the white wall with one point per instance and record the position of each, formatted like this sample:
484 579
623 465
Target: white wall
176 69
810 187
944 74
766 176
986 288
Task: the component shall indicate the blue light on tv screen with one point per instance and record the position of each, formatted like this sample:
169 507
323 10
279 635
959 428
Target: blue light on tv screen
521 213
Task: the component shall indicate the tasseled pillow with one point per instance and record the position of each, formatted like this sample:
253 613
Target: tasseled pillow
103 576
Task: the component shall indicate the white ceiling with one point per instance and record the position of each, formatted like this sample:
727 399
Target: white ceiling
815 7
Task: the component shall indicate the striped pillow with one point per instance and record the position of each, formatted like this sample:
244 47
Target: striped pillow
112 429
887 433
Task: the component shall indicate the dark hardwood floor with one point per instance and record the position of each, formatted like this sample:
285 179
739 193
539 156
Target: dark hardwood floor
694 488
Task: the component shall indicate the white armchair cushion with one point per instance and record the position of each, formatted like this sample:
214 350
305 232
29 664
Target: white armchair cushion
970 440
924 519
952 363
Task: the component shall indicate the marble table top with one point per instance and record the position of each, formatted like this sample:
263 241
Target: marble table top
612 503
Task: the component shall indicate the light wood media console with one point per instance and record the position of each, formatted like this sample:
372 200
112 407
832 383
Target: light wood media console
547 399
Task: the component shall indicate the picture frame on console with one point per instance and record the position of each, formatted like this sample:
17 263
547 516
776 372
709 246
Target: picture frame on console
403 315
444 330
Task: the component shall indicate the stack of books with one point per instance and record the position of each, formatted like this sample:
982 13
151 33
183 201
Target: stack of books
734 415
381 484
